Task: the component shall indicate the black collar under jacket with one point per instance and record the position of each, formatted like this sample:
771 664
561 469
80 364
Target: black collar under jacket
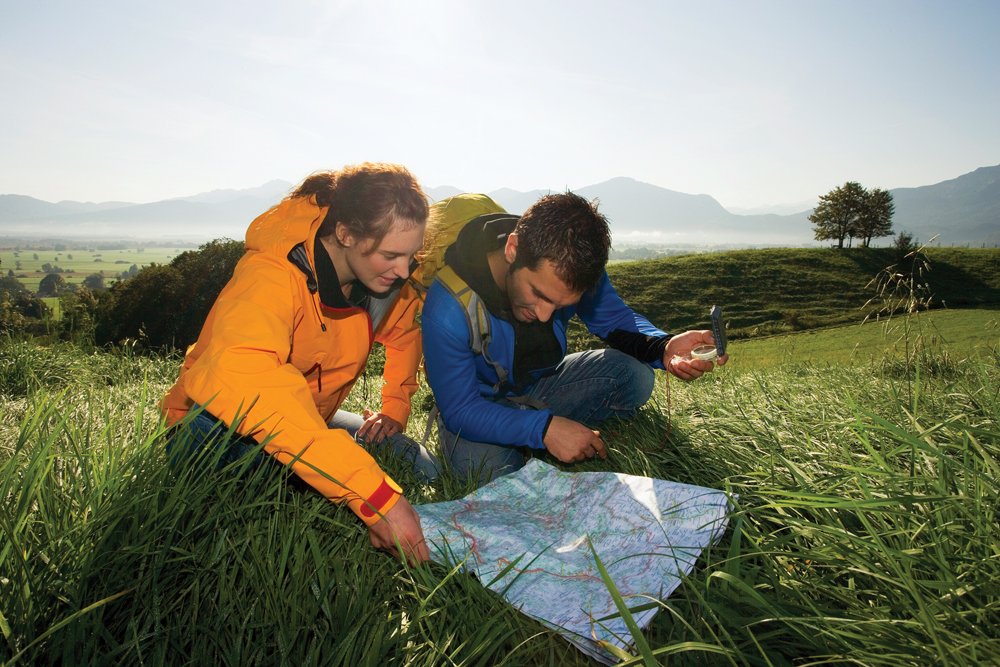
536 347
327 283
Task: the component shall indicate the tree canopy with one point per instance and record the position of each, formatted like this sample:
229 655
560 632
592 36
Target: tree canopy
876 220
52 284
165 306
17 305
94 282
12 286
850 211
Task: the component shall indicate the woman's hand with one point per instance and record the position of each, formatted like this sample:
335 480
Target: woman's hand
378 427
399 533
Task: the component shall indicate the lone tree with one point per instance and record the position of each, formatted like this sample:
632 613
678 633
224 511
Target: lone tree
94 282
850 212
52 284
876 218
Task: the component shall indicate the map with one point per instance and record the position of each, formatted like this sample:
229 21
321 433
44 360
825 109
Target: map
531 537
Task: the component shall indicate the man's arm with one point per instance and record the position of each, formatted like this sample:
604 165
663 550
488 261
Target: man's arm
571 441
609 318
677 355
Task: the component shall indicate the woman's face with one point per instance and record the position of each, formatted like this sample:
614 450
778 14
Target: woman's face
391 258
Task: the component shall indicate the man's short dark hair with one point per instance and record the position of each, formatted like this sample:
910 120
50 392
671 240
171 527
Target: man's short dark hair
567 230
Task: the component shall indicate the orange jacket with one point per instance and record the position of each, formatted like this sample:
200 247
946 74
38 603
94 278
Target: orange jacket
273 355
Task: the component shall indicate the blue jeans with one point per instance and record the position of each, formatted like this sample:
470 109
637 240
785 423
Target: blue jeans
204 430
425 464
587 387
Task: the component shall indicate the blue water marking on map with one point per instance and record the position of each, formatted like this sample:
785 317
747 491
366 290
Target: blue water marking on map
528 536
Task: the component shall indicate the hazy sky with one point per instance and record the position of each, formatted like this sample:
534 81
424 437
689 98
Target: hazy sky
754 103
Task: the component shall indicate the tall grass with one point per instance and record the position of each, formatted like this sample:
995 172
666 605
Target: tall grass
865 530
867 524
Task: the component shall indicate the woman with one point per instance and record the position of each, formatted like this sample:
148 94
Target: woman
324 275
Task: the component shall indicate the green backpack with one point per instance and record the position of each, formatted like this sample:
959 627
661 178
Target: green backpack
446 220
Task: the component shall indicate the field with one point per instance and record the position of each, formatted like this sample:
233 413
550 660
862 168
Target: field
959 334
78 263
864 463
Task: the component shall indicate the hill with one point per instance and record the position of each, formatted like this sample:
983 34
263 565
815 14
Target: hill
964 210
769 291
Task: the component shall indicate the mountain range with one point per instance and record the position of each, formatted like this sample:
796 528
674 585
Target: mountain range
964 210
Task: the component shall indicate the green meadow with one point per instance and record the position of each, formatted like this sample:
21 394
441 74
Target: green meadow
952 334
78 263
863 462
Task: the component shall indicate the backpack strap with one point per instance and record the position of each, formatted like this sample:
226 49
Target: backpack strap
478 319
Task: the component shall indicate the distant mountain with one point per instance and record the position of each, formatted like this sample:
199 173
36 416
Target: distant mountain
273 191
442 192
779 209
644 211
215 214
20 207
964 210
514 201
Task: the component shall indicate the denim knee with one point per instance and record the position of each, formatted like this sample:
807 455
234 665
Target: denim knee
636 381
470 460
202 436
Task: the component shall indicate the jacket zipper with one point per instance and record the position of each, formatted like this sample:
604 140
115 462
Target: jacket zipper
319 311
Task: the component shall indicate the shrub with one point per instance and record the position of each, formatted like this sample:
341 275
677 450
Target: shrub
164 307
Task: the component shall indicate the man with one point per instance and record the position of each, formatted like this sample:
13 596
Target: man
533 273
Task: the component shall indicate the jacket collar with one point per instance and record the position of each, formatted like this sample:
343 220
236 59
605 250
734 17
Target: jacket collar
330 293
325 281
324 278
467 257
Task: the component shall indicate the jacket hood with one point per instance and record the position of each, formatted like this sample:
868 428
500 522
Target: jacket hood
293 221
289 230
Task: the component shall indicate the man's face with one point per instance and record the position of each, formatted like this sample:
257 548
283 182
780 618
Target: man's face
535 294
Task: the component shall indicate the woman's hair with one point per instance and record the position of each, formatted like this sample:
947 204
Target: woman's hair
366 198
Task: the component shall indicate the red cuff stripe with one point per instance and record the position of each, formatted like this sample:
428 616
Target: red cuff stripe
377 500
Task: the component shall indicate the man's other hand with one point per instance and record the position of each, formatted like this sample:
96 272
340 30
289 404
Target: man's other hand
571 441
